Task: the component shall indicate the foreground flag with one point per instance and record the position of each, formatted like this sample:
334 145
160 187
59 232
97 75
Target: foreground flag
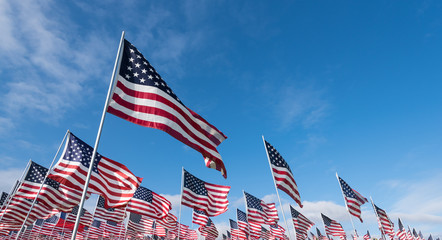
113 214
301 223
199 217
142 97
52 194
332 227
284 179
401 233
110 179
148 203
259 211
353 199
384 222
207 197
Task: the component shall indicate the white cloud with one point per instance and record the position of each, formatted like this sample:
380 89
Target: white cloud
8 177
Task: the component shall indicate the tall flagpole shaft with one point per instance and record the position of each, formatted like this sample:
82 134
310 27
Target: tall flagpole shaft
181 200
97 140
14 189
276 189
41 186
348 211
379 220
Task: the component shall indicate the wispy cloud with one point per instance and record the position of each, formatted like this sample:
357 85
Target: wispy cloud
50 64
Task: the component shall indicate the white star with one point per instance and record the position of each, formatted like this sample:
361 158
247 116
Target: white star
129 68
138 56
131 59
142 80
150 77
136 74
144 71
145 63
131 50
137 65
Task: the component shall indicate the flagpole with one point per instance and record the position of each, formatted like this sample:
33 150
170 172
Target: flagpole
276 189
346 206
14 189
97 140
181 200
379 221
42 183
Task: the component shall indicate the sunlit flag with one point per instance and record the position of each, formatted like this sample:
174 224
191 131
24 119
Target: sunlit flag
113 214
332 227
199 217
301 223
384 222
207 197
353 199
110 179
259 211
149 203
142 97
283 176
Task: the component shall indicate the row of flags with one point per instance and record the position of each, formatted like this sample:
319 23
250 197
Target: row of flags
48 201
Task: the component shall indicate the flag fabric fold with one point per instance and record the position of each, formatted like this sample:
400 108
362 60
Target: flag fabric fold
142 97
149 203
112 214
384 222
332 227
301 223
110 179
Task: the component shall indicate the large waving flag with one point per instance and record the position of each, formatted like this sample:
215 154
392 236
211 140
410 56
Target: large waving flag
111 179
141 96
207 197
52 194
284 179
301 223
332 227
259 211
353 199
148 203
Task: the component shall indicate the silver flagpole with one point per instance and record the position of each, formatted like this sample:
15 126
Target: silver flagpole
181 199
14 189
97 140
276 189
42 183
348 211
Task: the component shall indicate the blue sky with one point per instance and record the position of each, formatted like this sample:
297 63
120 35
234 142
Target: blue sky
343 86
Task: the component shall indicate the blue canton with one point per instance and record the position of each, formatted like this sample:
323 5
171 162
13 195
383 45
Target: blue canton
79 151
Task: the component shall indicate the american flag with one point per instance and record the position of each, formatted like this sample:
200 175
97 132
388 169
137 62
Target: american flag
236 233
207 197
181 230
353 199
243 224
320 236
301 223
110 179
430 237
86 217
401 233
95 230
255 229
112 229
332 227
199 217
409 234
367 236
18 208
283 175
52 194
148 203
421 236
259 211
209 229
49 225
140 223
113 214
158 230
277 231
142 97
265 234
415 235
191 234
169 222
384 222
3 198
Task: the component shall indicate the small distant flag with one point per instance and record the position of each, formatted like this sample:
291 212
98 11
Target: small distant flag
243 224
367 236
199 217
112 214
148 203
384 222
401 233
236 233
142 97
301 223
110 179
207 197
283 176
259 211
353 199
332 227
